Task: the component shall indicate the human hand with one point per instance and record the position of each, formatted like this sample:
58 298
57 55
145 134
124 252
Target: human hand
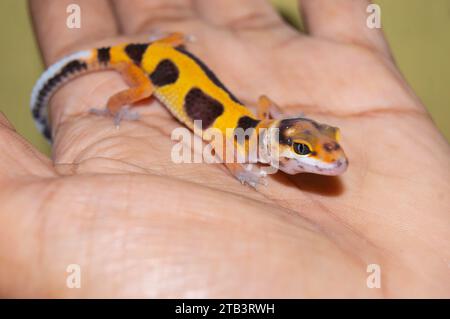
112 201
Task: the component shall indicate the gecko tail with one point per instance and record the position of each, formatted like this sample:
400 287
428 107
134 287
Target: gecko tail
53 78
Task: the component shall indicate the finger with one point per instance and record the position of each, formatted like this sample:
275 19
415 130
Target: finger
343 21
57 39
21 158
239 15
147 15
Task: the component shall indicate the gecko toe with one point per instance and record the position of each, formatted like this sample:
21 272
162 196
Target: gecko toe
251 178
125 114
99 111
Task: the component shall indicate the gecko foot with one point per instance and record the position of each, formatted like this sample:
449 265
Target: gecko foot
100 112
123 114
251 176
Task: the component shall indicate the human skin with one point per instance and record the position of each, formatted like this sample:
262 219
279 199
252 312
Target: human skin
112 201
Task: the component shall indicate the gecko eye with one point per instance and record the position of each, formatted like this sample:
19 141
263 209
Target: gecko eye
301 149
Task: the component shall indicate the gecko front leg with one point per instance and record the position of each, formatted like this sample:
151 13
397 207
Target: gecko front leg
248 173
269 109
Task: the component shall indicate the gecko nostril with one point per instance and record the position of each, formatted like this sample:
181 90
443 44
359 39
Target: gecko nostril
331 146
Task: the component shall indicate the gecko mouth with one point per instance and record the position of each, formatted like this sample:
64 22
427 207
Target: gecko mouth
333 169
309 165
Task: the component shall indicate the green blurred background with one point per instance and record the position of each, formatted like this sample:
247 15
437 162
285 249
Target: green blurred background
418 32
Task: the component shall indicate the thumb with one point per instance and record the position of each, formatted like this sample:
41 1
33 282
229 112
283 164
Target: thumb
18 157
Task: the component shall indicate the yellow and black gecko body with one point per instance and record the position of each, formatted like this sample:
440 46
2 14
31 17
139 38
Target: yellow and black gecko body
191 92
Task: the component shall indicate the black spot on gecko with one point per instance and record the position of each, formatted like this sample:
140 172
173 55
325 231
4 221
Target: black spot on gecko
136 51
103 55
36 110
199 106
68 69
283 127
246 122
210 74
166 72
284 140
71 67
46 132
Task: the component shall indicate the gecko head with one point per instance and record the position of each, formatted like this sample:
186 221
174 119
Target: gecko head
310 147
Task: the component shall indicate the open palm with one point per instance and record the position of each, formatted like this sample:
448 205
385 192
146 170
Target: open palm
112 201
